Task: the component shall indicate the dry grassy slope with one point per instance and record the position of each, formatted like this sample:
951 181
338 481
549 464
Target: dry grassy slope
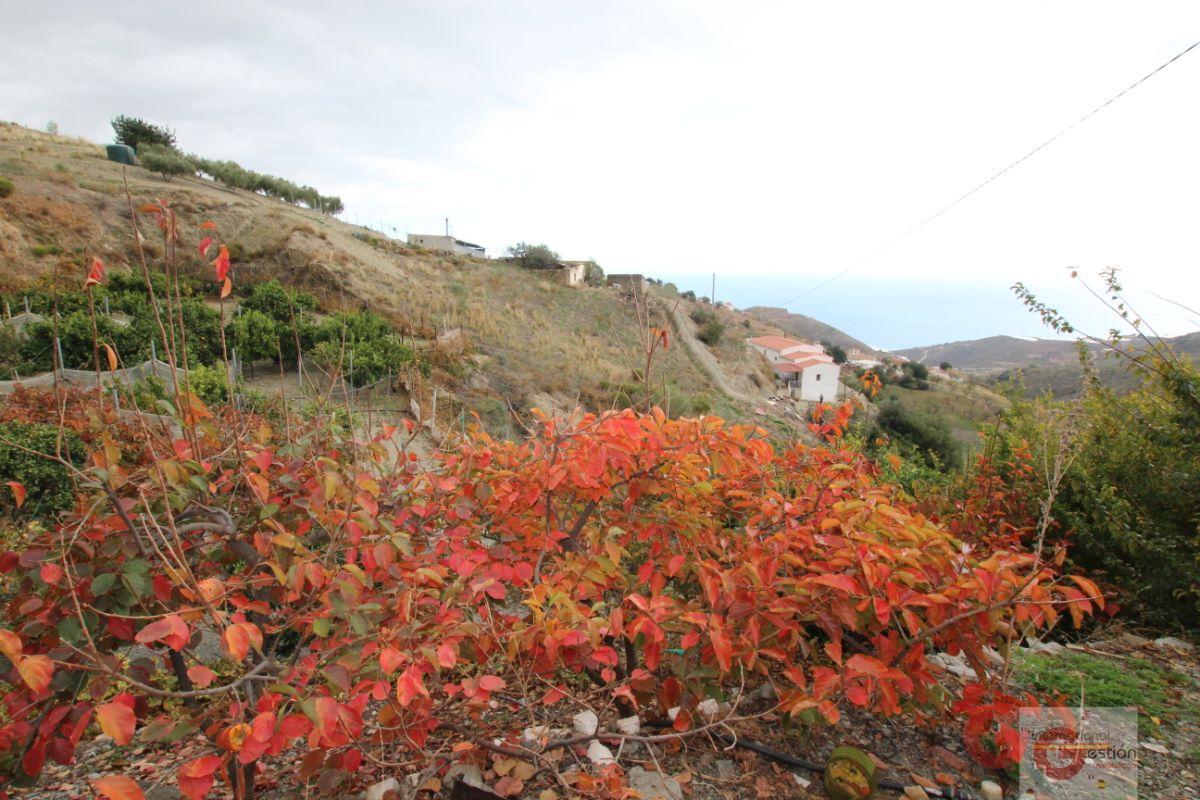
534 342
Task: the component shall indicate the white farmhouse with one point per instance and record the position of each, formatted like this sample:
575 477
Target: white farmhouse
803 367
781 348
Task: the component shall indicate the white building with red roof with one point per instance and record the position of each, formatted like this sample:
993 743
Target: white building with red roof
805 368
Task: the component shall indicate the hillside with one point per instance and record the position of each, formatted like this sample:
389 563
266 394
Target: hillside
510 339
807 328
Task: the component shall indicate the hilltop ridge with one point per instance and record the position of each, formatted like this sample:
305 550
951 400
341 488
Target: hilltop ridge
510 339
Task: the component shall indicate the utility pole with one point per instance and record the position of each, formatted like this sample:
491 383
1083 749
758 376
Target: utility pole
713 296
447 220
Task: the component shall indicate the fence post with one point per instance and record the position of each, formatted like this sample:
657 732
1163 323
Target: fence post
153 351
58 348
433 412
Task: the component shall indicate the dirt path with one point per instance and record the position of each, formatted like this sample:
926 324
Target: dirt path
685 332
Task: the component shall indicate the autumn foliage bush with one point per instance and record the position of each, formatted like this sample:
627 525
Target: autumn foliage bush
371 605
666 559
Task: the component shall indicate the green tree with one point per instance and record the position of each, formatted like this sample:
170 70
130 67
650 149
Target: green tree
593 275
167 161
135 132
254 335
836 352
532 256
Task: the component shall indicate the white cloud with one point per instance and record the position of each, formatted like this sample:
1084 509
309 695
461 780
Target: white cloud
781 140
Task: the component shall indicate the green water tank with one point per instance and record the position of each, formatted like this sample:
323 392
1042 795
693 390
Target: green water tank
122 154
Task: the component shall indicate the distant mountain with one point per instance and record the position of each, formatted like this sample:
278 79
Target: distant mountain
999 353
993 353
806 328
1042 364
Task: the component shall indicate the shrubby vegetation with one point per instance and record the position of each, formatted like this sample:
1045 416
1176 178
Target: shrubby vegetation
709 328
915 435
47 484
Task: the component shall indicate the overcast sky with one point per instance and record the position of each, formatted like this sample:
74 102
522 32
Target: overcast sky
771 143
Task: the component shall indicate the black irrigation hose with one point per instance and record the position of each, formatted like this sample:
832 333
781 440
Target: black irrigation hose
792 761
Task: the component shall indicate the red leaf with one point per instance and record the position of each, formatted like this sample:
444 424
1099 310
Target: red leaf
118 787
196 777
446 656
201 675
390 660
221 263
722 648
51 573
491 683
205 243
410 685
172 630
19 493
117 720
95 274
843 582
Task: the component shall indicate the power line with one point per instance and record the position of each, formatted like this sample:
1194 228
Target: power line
1011 166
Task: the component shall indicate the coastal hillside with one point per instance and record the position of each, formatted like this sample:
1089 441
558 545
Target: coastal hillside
508 339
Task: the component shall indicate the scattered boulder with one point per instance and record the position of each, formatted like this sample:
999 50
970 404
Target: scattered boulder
379 791
653 785
630 726
1172 642
600 755
465 773
955 665
586 723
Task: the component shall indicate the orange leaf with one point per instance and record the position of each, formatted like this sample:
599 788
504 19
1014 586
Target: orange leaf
36 671
117 720
19 493
10 644
208 225
205 243
112 357
236 642
118 787
226 288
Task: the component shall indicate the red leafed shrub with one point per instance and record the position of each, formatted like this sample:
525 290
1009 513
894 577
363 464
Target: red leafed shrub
366 603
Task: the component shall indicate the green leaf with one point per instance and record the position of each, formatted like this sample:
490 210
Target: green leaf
321 626
102 583
70 631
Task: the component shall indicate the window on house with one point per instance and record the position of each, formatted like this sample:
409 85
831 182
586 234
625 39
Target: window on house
818 376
